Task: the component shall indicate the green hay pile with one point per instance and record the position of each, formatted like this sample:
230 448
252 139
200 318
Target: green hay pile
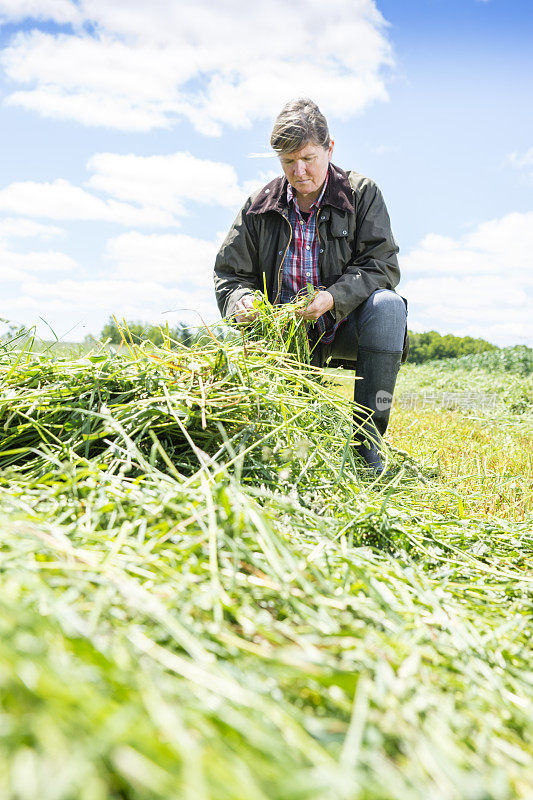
202 598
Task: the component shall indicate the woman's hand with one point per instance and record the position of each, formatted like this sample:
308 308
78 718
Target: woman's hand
244 309
322 302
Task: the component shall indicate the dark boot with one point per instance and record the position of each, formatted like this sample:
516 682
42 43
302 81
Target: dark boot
376 371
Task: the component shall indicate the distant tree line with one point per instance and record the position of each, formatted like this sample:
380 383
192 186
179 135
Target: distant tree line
432 345
14 330
136 332
423 346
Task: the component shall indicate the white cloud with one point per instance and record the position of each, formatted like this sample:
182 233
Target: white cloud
509 240
101 293
165 181
134 65
156 188
69 302
251 186
144 275
89 108
171 259
19 266
17 227
62 200
155 278
479 285
522 161
437 254
62 11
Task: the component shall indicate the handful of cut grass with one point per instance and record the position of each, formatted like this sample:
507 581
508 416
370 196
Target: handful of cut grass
280 327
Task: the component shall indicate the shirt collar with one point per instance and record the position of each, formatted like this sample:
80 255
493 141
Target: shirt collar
273 197
316 204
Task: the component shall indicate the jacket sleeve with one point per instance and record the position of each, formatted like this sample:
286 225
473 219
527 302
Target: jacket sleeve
236 265
374 264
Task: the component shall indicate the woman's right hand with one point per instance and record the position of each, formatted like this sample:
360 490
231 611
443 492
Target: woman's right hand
244 309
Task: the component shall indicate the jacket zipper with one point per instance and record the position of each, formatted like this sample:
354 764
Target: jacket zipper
317 231
282 260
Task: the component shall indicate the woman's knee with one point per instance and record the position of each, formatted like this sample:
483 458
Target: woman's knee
382 321
385 301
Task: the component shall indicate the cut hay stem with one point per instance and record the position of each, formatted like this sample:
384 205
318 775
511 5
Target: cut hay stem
351 746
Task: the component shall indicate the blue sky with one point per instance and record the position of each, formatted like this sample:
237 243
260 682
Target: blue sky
127 130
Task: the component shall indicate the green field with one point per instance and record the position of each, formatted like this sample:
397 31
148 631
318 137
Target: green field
203 596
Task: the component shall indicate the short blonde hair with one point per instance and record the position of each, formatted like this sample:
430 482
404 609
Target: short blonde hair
299 122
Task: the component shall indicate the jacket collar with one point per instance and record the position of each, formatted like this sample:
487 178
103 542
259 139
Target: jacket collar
273 196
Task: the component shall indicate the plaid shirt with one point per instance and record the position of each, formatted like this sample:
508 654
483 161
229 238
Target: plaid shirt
300 266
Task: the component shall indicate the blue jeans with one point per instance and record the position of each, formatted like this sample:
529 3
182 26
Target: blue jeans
378 324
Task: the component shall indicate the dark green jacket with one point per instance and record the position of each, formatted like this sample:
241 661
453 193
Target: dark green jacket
357 248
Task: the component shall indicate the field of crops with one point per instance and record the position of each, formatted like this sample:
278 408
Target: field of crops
203 596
